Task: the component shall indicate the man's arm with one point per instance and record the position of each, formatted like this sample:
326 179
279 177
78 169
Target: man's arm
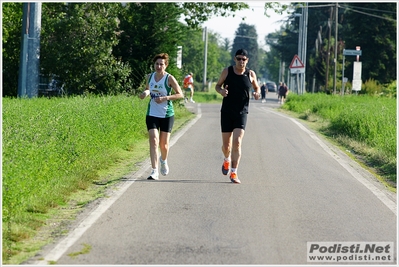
218 87
255 84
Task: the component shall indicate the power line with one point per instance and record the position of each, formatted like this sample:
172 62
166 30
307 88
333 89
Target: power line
243 36
370 9
367 14
364 13
311 6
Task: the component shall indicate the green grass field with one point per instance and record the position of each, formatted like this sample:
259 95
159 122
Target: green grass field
207 97
364 124
55 147
61 153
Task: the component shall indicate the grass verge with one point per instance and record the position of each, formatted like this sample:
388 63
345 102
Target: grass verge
77 148
207 97
365 126
59 155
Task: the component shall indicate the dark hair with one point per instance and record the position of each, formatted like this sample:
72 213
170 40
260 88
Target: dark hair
242 52
164 56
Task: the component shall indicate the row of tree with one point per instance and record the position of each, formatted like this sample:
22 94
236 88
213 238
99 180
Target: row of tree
370 25
106 48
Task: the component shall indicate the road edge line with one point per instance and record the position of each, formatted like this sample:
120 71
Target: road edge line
62 246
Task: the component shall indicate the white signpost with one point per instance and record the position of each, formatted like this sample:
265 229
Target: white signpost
179 56
357 69
357 76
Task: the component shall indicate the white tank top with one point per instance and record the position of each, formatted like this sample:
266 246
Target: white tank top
158 89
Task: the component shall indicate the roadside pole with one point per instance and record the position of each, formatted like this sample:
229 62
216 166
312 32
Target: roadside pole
28 80
205 39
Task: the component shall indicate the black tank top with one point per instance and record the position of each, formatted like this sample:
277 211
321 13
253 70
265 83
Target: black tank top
237 100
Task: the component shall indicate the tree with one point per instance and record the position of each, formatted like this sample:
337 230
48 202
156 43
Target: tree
193 56
103 47
195 13
226 45
271 65
372 26
218 57
148 29
369 25
246 38
12 25
77 44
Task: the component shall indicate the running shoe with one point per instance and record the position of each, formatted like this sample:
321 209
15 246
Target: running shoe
225 167
234 178
164 167
154 175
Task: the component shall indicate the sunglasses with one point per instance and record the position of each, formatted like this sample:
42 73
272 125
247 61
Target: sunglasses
241 58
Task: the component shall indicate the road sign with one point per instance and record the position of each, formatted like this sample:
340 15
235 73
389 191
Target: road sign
351 52
296 63
297 70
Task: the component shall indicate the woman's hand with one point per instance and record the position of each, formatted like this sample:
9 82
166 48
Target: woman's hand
144 94
161 99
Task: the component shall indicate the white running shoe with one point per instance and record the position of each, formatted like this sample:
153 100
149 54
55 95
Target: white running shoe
164 167
154 175
192 101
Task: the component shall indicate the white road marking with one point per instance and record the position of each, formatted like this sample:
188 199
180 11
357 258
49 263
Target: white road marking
377 192
55 254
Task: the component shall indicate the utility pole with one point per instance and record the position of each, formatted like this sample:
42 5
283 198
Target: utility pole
205 39
328 48
300 40
336 48
304 46
28 80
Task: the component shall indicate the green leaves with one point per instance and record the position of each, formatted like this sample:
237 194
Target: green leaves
107 47
196 13
79 49
247 38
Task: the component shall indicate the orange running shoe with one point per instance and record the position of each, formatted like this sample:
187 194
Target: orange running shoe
234 178
225 167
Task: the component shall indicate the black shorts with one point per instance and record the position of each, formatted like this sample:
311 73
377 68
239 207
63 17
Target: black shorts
230 121
162 124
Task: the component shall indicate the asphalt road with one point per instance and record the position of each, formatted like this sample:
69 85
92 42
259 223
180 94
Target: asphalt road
296 188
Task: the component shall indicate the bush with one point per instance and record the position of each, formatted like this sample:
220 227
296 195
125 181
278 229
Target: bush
372 87
364 118
390 90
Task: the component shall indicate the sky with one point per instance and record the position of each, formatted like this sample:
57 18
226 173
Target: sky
227 26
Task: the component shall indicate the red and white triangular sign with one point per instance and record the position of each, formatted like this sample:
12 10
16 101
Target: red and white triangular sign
296 63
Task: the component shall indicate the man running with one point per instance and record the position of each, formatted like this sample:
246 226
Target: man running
235 84
188 86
